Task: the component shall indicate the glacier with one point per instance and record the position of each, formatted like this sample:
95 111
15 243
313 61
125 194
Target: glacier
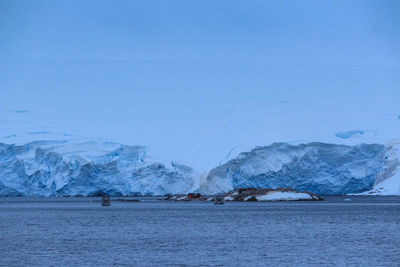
95 167
389 182
320 168
87 168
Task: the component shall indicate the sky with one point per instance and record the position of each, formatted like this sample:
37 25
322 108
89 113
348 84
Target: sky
195 80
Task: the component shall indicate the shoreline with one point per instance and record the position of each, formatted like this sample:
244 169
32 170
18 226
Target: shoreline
150 199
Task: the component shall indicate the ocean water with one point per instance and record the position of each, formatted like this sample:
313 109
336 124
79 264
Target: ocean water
79 232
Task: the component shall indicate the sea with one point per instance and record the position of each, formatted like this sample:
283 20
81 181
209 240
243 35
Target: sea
78 231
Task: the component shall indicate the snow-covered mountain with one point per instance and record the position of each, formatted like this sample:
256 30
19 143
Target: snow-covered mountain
316 167
55 168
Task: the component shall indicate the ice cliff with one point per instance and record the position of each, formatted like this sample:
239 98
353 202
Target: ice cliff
56 168
316 167
389 182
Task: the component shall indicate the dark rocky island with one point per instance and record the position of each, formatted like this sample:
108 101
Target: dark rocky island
251 194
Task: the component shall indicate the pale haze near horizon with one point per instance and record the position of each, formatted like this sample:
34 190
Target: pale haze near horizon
192 80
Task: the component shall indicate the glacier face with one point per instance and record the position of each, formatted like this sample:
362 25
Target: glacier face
389 182
92 167
316 167
56 168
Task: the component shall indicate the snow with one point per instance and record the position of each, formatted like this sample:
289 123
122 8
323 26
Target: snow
284 196
346 135
247 198
228 198
314 167
389 186
389 182
190 141
87 167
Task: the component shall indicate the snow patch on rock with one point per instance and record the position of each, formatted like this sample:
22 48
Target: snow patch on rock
284 196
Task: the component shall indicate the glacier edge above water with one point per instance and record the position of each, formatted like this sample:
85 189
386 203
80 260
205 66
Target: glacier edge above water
59 168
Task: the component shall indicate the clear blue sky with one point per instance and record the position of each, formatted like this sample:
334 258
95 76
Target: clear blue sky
193 79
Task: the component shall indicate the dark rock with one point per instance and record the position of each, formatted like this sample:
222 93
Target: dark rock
193 195
252 198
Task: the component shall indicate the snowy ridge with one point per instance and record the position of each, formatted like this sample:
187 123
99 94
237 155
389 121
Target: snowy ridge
87 167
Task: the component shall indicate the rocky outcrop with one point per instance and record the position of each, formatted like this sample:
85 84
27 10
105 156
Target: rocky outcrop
250 195
267 194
